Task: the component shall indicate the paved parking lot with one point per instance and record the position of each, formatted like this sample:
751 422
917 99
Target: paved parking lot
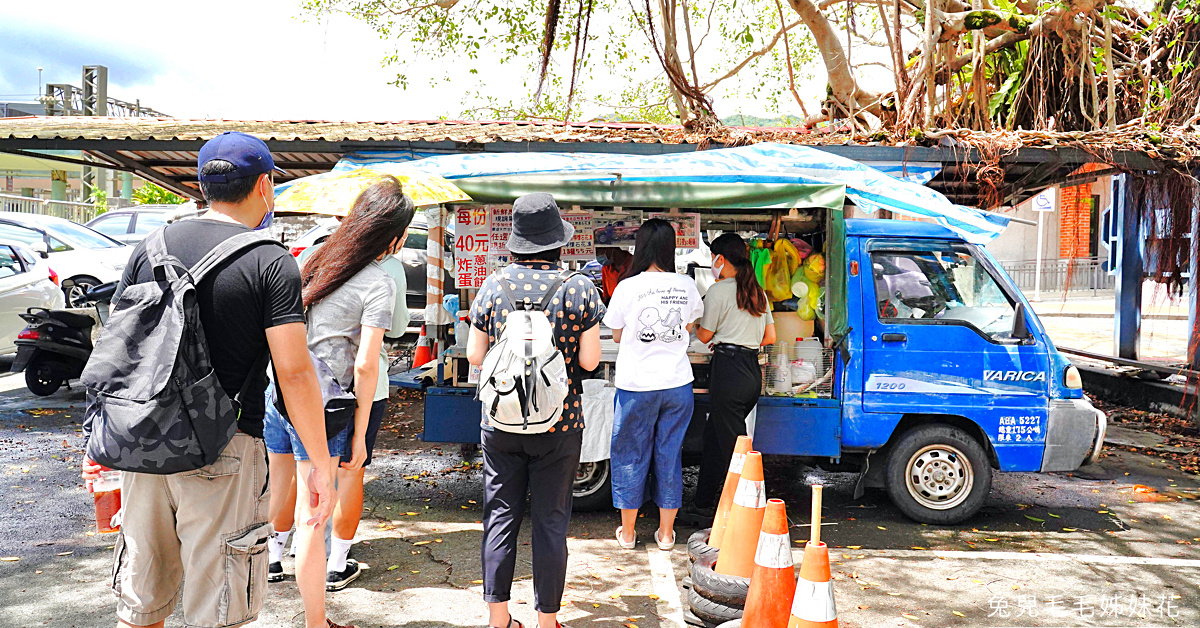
1047 550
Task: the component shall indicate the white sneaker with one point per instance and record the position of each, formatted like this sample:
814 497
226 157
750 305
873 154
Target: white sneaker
621 539
665 546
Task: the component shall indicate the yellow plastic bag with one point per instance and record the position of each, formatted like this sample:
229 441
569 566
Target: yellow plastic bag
779 279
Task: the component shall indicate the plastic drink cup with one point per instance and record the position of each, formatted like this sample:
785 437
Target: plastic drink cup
106 491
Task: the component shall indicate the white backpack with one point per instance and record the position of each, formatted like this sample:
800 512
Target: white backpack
523 381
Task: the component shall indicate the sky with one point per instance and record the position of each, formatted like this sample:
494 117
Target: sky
254 59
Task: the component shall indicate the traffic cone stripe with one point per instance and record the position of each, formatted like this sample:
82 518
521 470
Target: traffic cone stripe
814 601
736 463
773 551
750 494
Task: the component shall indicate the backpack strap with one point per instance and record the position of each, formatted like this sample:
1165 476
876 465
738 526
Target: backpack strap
259 366
227 249
164 266
562 278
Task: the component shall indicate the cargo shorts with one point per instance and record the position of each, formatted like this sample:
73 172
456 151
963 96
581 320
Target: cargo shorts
200 535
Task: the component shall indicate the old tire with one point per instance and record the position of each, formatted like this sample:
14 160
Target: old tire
43 375
938 474
726 590
592 489
698 546
711 612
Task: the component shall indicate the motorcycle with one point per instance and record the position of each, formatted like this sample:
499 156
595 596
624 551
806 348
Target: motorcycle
55 344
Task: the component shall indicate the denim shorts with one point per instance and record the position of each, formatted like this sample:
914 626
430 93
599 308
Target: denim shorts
281 437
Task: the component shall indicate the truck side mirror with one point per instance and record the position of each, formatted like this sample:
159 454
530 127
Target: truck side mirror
1020 328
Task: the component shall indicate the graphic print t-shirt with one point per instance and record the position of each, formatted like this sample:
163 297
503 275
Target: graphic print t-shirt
653 310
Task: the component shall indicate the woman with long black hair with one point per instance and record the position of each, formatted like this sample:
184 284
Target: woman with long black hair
737 319
651 314
349 300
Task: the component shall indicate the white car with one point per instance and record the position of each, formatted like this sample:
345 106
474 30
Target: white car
26 281
82 257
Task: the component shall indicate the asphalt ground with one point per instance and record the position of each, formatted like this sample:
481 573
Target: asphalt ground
1115 546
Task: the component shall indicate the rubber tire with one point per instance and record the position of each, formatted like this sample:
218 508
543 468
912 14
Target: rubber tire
912 441
711 612
600 499
34 380
85 283
698 546
729 591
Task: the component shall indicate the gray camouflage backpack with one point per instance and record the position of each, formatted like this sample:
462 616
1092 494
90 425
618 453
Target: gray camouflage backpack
154 402
523 380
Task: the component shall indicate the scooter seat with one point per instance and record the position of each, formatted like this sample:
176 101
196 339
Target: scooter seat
72 319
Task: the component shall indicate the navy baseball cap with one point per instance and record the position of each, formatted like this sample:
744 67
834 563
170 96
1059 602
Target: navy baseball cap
248 154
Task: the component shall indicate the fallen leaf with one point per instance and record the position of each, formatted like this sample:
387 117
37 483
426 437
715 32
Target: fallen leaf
1035 519
595 606
393 567
854 546
992 540
65 553
615 596
411 514
881 527
437 540
653 596
1070 529
918 547
421 543
958 613
415 571
907 616
10 559
477 582
1054 515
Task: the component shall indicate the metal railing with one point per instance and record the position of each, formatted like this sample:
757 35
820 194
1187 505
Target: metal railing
70 210
1082 274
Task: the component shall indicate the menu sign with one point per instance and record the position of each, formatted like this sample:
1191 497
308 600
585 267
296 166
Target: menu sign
582 246
687 228
472 236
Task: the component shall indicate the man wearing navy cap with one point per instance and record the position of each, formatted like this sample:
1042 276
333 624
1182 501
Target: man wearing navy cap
202 535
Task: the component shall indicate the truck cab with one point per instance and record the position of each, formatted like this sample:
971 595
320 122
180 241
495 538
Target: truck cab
950 373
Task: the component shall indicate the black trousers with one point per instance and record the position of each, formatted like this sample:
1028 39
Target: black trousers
734 387
543 467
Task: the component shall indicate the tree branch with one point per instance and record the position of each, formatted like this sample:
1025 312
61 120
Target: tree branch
756 54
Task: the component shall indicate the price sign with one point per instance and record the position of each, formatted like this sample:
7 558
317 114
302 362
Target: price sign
472 235
687 228
582 246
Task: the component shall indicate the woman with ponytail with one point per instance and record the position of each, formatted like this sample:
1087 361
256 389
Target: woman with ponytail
737 320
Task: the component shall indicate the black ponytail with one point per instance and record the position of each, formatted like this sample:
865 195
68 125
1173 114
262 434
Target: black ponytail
750 295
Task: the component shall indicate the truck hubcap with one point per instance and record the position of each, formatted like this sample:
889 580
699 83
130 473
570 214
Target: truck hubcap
939 477
589 478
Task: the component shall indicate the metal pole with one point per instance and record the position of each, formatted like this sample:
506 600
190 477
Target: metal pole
1037 269
1128 315
1194 288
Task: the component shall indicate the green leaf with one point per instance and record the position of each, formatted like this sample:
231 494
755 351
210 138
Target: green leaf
1032 518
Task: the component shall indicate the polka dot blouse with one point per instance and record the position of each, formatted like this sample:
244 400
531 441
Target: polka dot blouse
575 309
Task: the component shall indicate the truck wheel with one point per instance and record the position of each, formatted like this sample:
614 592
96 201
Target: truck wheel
42 375
938 474
592 489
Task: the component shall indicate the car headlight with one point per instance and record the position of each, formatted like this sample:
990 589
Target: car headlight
1072 379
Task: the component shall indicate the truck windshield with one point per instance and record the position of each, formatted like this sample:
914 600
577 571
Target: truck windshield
945 284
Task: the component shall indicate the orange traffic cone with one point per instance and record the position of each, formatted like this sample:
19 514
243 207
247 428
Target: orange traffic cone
424 352
745 521
731 483
813 605
774 581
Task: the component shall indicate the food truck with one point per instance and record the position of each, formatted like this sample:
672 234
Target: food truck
927 369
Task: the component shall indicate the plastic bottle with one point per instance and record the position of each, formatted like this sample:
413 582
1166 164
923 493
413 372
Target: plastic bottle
461 329
106 492
810 350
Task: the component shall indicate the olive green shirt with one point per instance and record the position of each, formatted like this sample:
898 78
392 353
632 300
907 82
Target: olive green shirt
730 324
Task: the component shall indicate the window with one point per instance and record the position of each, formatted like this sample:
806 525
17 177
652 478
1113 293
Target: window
10 264
944 284
112 226
80 235
9 231
147 222
416 239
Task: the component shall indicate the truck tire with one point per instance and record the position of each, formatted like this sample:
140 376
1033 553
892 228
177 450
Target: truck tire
938 474
729 591
592 489
698 546
710 612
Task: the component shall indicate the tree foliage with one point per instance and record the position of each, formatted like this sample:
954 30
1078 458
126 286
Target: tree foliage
151 194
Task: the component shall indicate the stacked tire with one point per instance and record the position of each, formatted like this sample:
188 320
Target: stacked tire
713 598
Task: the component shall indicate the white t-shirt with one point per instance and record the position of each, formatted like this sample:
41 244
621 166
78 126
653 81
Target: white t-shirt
654 309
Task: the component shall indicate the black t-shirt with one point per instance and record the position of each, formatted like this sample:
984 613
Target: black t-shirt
576 309
238 300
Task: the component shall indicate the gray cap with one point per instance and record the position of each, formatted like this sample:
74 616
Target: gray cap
537 225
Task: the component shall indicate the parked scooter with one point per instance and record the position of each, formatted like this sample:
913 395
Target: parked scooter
55 345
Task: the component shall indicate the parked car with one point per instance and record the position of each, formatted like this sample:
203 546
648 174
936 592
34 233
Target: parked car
132 224
414 258
82 257
26 281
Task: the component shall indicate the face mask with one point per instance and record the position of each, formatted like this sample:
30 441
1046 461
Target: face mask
602 260
268 217
716 271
